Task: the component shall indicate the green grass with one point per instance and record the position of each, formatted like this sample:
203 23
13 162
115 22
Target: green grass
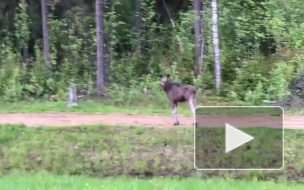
105 106
231 110
47 181
102 151
298 111
148 107
87 107
96 150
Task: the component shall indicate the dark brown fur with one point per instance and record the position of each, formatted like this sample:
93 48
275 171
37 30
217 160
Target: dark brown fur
177 92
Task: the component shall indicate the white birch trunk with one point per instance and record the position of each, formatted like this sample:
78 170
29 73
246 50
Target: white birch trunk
217 64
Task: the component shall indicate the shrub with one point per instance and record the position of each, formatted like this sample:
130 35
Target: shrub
122 95
232 96
13 89
247 78
256 96
278 81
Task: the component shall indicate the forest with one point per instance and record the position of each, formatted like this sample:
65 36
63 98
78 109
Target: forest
246 50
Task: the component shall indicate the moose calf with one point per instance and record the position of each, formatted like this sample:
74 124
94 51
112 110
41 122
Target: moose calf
178 93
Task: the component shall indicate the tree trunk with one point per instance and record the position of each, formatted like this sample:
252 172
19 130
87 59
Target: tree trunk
25 56
138 22
198 37
203 36
45 27
217 64
100 84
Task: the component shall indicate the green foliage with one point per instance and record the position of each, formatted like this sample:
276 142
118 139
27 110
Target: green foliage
256 96
233 96
21 23
13 90
279 79
208 78
272 29
247 78
55 33
286 22
7 68
124 71
122 95
297 62
197 81
242 24
134 96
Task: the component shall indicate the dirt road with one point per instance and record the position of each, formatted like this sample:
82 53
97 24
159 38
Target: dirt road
76 119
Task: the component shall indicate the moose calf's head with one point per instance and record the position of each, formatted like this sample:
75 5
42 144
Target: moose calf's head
164 80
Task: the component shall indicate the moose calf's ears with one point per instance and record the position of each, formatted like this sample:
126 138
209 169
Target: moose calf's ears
167 75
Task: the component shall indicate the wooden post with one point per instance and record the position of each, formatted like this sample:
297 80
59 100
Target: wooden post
72 100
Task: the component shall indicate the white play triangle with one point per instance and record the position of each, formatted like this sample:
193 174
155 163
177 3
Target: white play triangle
235 138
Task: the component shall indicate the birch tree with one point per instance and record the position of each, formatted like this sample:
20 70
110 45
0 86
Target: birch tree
217 64
100 84
45 29
198 37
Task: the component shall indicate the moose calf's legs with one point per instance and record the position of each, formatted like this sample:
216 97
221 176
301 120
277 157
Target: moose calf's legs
192 105
174 113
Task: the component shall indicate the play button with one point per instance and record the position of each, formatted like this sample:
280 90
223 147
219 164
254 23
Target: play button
235 138
238 138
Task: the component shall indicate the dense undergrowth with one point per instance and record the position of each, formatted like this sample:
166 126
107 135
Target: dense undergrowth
261 50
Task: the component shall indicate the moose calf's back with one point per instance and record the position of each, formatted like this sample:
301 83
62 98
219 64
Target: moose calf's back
181 93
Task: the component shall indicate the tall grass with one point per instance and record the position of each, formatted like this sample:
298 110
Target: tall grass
101 151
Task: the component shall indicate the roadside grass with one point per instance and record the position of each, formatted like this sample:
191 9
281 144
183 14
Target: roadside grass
84 107
103 151
55 182
296 111
97 150
107 106
230 110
